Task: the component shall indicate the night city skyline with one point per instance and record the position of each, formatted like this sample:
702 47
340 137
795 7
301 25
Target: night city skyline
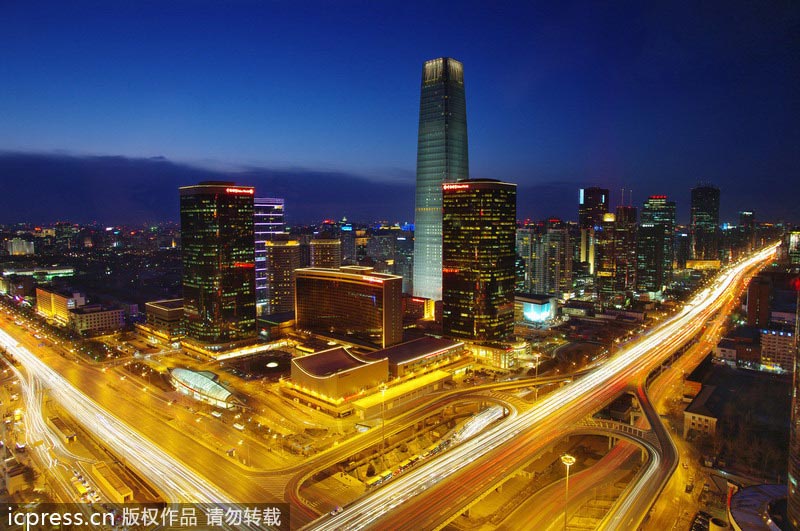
409 266
653 99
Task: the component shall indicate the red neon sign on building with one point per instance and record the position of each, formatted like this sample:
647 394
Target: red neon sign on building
245 191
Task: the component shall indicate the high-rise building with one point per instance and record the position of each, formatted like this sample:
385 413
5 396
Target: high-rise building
552 260
747 231
650 274
352 302
704 227
592 205
326 253
655 244
282 258
625 249
268 223
347 236
793 501
793 247
478 256
218 246
441 158
524 247
605 267
759 295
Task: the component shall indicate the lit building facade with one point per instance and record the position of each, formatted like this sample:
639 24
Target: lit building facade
530 308
478 256
56 305
654 246
793 244
164 319
19 247
704 229
592 205
282 258
350 302
442 157
326 253
625 249
268 223
93 318
552 260
218 244
605 265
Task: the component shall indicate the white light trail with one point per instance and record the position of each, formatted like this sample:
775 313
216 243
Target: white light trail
170 476
637 356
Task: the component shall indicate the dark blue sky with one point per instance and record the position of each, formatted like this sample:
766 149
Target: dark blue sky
624 94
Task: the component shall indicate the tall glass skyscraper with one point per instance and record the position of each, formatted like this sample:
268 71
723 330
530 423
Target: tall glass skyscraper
705 223
269 223
479 229
655 249
592 206
218 246
441 158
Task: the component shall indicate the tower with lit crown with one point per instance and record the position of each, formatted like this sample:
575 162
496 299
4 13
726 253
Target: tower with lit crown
441 158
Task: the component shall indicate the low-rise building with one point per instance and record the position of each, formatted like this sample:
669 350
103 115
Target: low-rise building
534 308
698 417
336 374
421 355
203 386
778 349
56 304
725 352
91 319
163 320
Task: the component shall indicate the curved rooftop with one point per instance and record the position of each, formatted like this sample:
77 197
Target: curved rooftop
328 362
203 382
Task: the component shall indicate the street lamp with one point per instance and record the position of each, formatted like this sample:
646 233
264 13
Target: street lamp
568 461
537 356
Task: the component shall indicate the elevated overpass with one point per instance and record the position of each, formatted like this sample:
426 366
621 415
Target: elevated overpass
425 497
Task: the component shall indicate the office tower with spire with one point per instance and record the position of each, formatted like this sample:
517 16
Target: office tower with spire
441 158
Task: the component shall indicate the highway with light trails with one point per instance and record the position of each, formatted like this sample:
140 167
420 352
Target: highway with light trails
427 497
170 476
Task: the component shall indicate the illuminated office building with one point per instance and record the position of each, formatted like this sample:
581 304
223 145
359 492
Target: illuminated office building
326 253
592 206
282 258
350 302
625 249
605 267
704 227
655 244
441 158
478 276
552 260
218 248
268 224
